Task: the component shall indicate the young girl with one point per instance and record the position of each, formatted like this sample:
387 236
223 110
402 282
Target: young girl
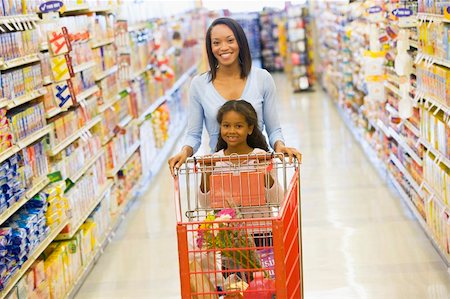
240 135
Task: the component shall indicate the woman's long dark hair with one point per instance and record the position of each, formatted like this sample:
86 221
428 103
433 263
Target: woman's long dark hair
245 58
254 140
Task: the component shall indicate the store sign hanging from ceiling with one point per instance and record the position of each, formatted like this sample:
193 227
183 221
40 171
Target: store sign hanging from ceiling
402 12
51 6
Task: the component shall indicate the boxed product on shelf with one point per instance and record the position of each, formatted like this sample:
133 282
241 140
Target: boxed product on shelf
130 174
18 82
27 121
33 163
434 81
18 44
438 177
11 183
102 27
74 158
24 231
84 194
110 87
160 120
105 58
57 204
435 131
118 150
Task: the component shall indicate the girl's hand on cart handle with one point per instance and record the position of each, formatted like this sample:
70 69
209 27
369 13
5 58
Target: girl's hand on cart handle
290 151
176 161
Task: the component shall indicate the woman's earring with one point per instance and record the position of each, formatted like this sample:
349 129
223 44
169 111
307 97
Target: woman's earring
240 60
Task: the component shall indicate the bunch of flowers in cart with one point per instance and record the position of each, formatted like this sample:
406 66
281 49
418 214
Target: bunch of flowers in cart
218 232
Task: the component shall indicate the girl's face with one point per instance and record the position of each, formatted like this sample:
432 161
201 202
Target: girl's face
224 45
234 129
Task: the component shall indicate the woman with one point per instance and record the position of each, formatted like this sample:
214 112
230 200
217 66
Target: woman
231 77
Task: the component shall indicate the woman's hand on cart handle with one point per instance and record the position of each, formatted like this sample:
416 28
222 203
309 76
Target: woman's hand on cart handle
176 161
290 151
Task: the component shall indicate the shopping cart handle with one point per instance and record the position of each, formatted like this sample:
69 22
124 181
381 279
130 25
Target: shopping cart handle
211 159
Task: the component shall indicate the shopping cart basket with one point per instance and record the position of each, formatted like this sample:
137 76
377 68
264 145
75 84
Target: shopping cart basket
237 237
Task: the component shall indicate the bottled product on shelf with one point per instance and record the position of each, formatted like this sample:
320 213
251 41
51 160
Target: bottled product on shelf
402 110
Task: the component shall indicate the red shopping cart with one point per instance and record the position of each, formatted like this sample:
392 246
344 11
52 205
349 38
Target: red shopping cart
239 236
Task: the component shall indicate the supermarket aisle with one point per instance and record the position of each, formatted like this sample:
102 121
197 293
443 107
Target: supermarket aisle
359 240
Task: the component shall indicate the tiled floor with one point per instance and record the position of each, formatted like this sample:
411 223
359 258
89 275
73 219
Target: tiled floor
359 240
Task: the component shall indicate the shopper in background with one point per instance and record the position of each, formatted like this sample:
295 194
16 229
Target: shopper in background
231 77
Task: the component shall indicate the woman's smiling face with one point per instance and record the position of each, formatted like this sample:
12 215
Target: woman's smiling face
224 45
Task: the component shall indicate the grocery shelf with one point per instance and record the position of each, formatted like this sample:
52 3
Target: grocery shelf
124 122
103 42
99 9
3 103
392 111
8 153
27 59
87 166
412 127
162 155
69 140
75 8
43 46
441 106
413 44
419 218
168 93
432 17
100 246
152 108
19 18
106 73
405 172
123 210
383 128
38 186
23 143
87 93
137 74
182 80
12 209
137 27
378 164
84 66
54 111
112 172
117 98
405 146
36 253
88 212
392 88
439 156
435 60
27 98
42 183
436 196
